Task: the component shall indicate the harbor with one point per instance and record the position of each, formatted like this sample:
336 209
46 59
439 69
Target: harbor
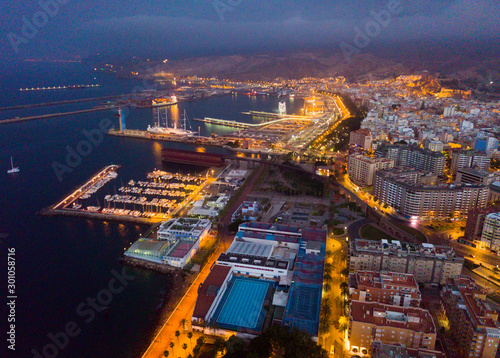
159 197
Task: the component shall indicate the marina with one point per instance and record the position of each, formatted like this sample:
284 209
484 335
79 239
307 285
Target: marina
157 198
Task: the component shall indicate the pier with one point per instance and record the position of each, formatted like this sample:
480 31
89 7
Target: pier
53 115
269 115
107 172
56 88
46 104
277 119
223 122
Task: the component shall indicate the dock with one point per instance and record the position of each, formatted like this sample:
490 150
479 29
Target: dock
223 122
268 115
53 115
274 119
140 134
107 172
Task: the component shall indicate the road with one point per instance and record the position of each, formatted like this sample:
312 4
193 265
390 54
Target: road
184 309
334 340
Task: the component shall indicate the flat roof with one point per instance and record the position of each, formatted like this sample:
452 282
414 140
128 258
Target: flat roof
209 288
303 308
415 319
250 249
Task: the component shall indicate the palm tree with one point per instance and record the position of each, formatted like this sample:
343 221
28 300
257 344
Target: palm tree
200 340
190 335
327 278
328 267
172 346
344 272
327 287
166 353
326 309
184 346
183 323
214 326
344 288
177 334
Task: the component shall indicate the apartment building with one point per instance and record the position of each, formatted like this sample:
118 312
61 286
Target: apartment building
471 318
428 263
373 321
476 176
362 138
475 221
469 158
392 288
413 156
361 169
490 235
411 198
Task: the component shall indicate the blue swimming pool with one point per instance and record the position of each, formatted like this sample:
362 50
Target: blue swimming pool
243 305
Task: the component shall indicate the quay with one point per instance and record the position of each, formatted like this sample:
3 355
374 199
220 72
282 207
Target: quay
277 119
259 114
53 115
136 133
45 104
223 122
85 188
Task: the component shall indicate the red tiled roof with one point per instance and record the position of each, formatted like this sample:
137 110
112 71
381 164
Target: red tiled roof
206 297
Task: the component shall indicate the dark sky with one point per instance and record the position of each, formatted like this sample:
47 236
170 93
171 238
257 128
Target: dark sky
174 29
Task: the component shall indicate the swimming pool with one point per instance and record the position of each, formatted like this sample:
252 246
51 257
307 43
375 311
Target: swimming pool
243 306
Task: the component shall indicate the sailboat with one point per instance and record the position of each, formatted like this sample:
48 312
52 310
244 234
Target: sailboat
158 129
12 169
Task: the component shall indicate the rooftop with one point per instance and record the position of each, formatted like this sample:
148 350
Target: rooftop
209 288
415 319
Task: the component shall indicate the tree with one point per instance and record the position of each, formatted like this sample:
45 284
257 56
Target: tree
284 342
327 278
166 353
327 287
326 309
200 340
344 272
177 334
344 288
172 346
215 327
184 346
190 335
183 323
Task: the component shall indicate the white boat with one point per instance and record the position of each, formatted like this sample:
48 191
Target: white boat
158 129
12 169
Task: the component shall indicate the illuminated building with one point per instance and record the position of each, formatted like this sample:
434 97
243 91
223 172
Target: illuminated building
362 169
472 320
428 263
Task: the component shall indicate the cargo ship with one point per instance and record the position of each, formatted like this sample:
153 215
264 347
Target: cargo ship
157 102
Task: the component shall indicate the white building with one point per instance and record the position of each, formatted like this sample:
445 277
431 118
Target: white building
490 236
361 169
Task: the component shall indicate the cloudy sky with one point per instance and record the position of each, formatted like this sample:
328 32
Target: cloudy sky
175 29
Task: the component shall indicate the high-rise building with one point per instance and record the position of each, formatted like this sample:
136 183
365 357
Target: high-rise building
475 221
469 158
472 320
412 156
406 194
361 169
361 137
490 235
426 262
476 176
391 288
